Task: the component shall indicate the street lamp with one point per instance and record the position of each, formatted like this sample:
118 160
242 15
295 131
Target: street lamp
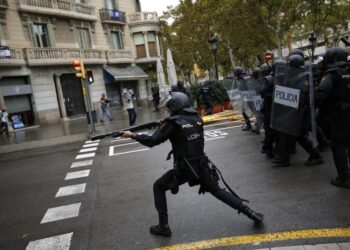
214 47
312 40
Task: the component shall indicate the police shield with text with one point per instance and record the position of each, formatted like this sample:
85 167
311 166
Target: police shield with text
184 129
291 112
335 89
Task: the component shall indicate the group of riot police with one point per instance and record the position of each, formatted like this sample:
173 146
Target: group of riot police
301 99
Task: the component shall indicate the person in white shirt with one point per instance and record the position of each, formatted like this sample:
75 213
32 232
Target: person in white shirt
129 97
4 122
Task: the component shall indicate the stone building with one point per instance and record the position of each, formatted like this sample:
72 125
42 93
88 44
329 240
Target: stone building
40 39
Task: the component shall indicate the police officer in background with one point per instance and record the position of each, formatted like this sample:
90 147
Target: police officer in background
207 94
184 129
335 87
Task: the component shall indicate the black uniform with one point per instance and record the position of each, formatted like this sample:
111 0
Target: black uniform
184 129
156 98
335 87
207 94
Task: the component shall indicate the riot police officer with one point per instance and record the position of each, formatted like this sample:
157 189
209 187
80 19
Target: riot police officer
184 129
207 94
240 73
335 87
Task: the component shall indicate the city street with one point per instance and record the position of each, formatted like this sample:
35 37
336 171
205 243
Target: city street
98 195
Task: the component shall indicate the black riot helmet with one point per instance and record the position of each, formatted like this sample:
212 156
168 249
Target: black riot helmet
255 73
238 71
335 57
178 101
296 52
278 63
265 69
296 61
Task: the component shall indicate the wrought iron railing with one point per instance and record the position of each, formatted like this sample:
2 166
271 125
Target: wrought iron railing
112 15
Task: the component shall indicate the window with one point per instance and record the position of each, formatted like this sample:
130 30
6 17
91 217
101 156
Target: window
137 5
139 41
83 36
111 5
152 47
3 34
80 1
117 40
40 35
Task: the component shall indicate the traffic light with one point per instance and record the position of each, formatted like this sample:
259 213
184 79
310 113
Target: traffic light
90 76
79 69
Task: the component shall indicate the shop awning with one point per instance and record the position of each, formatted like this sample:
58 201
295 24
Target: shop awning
126 74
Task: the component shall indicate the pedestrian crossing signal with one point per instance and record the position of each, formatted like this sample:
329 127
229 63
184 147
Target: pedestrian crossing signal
79 69
90 76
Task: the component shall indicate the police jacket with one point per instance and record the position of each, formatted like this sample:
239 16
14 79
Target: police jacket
185 131
267 91
335 88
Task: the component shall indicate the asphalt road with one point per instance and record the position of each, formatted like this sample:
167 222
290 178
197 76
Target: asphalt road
116 207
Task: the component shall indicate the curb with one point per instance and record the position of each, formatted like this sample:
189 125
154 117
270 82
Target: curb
43 143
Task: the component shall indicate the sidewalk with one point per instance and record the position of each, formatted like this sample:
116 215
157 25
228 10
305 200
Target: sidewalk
71 131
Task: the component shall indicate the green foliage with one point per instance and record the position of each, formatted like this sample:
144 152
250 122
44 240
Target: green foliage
220 94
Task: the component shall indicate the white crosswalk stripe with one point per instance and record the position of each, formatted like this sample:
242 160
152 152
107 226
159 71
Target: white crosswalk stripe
81 163
92 141
85 150
83 156
61 213
70 190
59 242
77 174
90 145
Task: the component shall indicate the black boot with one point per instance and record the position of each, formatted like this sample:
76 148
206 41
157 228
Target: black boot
256 217
162 228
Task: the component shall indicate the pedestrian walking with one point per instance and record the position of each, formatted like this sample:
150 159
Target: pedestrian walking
104 101
4 122
129 97
184 129
156 98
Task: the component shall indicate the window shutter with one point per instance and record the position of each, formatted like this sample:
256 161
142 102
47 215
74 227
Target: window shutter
32 34
51 33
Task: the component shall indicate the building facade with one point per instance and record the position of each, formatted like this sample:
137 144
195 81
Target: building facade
40 39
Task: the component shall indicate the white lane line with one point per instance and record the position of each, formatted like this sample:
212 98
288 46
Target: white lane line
85 150
125 139
221 137
59 242
81 163
61 213
77 174
92 141
111 151
90 145
83 156
70 190
125 144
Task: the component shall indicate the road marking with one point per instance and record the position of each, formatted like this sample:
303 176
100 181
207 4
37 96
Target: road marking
92 141
83 156
59 242
111 151
90 145
125 144
261 238
61 213
218 124
81 163
70 190
77 174
215 138
84 150
116 140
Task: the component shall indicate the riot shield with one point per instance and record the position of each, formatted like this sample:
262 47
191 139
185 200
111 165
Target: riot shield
234 94
247 88
289 100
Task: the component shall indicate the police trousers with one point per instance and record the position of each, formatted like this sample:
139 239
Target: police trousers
173 177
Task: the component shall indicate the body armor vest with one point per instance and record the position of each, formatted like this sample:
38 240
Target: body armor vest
341 84
189 143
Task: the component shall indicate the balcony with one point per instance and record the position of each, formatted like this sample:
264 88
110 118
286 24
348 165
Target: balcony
59 8
112 16
143 22
4 4
58 56
14 59
119 56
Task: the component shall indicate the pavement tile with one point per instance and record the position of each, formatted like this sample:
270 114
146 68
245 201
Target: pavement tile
322 247
344 246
